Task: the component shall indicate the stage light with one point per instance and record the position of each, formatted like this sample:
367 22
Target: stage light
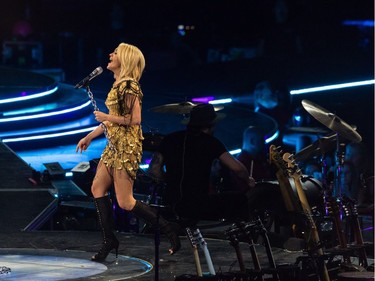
332 87
144 166
273 137
367 23
25 96
30 110
46 136
203 99
42 115
235 151
221 101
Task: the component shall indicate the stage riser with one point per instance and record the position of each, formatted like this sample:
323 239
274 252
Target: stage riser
23 210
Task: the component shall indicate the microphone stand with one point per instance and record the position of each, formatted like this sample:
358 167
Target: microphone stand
93 102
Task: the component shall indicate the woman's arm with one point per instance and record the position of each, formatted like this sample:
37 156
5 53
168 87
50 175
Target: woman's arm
84 143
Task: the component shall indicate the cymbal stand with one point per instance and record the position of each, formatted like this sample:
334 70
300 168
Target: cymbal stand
326 189
340 155
156 204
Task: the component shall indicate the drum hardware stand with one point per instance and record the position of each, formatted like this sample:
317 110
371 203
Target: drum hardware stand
312 265
156 204
340 155
157 241
326 189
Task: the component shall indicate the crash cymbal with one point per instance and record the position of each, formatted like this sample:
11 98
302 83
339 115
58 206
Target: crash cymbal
178 108
319 147
332 121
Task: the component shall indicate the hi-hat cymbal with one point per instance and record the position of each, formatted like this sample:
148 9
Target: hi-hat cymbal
178 108
319 147
332 121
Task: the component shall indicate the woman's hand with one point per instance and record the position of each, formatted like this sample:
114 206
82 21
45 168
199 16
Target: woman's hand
101 116
83 144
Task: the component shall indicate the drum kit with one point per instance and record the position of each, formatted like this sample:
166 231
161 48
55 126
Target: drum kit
335 141
341 133
337 205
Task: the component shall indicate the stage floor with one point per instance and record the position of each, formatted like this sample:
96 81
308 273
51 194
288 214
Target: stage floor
65 255
52 255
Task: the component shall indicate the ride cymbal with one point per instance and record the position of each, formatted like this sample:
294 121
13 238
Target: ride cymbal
331 121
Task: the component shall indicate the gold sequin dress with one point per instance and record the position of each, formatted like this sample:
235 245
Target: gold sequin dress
125 139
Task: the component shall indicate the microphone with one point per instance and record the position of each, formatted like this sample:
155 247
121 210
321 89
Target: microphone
97 71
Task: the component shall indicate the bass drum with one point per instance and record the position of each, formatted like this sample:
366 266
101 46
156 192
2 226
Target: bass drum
313 190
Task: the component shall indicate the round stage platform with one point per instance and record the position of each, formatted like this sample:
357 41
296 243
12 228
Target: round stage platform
54 265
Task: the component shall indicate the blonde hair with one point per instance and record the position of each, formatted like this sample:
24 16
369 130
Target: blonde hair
131 60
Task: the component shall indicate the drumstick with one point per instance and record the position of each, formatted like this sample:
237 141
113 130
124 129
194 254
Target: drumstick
251 168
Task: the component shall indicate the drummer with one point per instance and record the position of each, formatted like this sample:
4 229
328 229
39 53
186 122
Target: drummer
184 159
254 155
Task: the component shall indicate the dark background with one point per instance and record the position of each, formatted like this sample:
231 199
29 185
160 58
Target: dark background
220 56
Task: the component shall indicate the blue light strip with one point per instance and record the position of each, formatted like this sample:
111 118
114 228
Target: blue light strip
332 87
221 101
46 136
144 166
28 97
368 23
274 136
235 151
42 115
30 110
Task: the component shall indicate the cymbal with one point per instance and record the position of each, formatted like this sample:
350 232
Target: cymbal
319 147
178 108
332 121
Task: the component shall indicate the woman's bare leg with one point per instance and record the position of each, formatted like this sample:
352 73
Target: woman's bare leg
124 189
102 181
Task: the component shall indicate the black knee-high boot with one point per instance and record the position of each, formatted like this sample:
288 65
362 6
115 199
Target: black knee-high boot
149 214
104 211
